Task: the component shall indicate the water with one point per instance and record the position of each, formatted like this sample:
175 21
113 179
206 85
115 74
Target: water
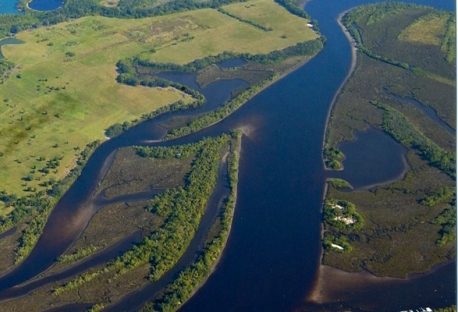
8 7
45 5
6 42
231 63
271 259
373 158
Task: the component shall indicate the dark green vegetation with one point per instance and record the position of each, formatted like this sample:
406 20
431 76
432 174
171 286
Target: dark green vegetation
194 275
130 69
12 24
35 209
447 309
167 222
409 225
245 20
341 215
333 157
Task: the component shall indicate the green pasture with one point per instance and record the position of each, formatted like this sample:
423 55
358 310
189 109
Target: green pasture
63 93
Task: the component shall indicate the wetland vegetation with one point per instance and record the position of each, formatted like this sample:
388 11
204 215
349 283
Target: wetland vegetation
167 223
410 224
61 107
50 113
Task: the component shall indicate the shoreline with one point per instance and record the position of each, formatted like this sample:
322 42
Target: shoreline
283 75
350 73
325 290
204 281
331 106
332 285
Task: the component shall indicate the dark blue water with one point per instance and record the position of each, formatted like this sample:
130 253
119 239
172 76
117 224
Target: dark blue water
45 5
372 151
231 63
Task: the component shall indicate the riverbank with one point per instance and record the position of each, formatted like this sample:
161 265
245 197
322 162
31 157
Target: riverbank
334 287
350 72
399 173
236 154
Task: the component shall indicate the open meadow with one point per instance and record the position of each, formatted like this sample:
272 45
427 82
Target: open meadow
62 93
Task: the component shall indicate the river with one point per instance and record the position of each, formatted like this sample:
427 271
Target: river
272 256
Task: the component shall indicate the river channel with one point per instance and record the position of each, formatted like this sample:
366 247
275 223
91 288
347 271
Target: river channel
272 257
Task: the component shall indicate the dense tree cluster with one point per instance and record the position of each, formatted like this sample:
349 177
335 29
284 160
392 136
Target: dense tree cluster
193 276
447 220
310 47
77 255
182 209
400 128
336 243
252 23
12 24
342 215
38 206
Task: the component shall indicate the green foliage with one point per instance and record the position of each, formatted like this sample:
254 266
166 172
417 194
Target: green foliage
330 240
447 309
5 66
259 26
293 8
338 183
72 9
77 255
96 308
446 219
342 215
369 14
181 207
448 44
333 153
442 195
399 127
334 164
193 276
39 207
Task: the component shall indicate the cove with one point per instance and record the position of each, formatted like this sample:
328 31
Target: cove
272 256
373 158
6 42
45 5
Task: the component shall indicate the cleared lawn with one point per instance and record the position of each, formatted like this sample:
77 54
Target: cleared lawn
63 93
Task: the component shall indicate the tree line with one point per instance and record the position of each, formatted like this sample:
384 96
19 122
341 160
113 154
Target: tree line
193 276
38 206
400 128
181 207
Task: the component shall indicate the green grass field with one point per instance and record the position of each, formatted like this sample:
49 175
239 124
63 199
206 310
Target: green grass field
63 93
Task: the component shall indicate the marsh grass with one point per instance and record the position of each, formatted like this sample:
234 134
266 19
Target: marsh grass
399 236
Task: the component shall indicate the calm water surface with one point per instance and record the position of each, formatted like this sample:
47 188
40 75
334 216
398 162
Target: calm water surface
45 5
8 7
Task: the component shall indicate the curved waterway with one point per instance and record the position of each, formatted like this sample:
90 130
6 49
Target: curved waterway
271 259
